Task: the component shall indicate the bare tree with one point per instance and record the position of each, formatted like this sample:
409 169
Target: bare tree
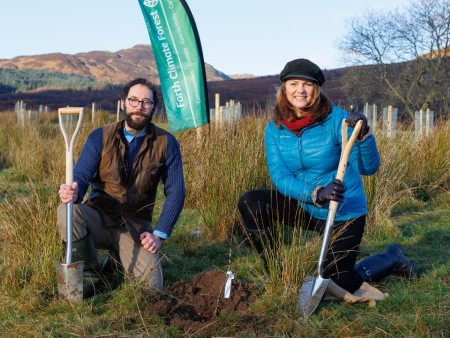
404 55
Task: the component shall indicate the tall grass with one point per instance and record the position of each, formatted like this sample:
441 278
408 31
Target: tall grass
221 163
409 170
30 240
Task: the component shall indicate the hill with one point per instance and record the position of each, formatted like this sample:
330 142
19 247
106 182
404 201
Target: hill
250 92
102 66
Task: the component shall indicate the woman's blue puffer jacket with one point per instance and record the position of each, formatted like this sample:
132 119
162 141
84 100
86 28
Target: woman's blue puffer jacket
297 165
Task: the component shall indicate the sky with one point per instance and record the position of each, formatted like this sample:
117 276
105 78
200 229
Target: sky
238 36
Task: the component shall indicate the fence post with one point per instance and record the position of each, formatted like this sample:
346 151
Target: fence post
422 128
20 113
367 112
238 111
118 111
417 123
23 107
423 123
374 116
232 111
226 109
390 121
93 112
371 114
430 121
217 115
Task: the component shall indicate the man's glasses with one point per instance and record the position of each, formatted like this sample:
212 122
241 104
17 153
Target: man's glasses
134 102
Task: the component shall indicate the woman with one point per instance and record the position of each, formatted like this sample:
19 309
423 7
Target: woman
303 147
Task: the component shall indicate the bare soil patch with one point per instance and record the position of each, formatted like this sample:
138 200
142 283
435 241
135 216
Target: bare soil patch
193 306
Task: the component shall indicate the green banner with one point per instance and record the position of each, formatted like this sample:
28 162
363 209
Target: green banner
179 58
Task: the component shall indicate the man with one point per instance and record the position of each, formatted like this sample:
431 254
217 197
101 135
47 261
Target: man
123 164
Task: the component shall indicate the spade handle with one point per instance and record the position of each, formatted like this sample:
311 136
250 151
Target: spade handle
69 143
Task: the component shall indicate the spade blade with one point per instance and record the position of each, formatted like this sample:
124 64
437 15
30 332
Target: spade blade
311 293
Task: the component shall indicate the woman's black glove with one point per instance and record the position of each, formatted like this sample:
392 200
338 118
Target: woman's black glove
334 191
353 118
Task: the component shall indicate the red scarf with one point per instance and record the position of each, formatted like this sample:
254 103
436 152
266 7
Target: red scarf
297 125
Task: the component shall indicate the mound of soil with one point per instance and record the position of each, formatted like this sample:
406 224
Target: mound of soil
190 306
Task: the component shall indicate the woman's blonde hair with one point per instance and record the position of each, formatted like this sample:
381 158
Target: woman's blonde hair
318 109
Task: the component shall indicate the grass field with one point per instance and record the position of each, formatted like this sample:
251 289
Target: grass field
409 203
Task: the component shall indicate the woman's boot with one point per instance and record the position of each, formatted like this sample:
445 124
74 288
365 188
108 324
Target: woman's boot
378 266
262 240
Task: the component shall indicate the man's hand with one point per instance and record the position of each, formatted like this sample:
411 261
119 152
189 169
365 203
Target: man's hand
150 242
68 193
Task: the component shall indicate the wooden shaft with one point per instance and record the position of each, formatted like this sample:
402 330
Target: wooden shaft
345 153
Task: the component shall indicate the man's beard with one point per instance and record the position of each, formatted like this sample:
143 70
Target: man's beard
139 125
